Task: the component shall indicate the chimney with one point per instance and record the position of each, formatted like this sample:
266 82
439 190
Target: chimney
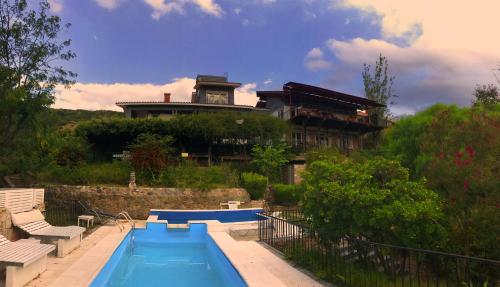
166 97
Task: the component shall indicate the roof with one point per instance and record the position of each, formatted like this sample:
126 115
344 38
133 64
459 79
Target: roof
297 89
210 80
189 104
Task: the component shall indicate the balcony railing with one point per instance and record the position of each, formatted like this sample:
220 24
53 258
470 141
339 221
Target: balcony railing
289 113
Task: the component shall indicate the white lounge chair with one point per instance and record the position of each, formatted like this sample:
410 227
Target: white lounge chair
24 260
66 238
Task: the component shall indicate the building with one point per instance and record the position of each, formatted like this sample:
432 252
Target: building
321 117
212 94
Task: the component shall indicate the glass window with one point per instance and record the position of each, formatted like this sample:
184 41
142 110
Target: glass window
219 97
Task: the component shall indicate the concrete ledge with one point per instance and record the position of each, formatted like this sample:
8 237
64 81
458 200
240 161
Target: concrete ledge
258 266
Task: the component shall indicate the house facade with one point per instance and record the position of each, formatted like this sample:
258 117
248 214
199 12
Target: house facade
321 117
212 94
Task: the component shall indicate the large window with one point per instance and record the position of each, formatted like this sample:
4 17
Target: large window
217 97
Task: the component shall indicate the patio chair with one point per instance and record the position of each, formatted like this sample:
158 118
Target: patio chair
66 238
24 260
102 216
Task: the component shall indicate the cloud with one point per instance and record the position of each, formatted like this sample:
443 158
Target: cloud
444 24
56 6
268 81
237 11
109 4
267 2
101 96
162 7
423 76
315 53
438 50
246 94
314 60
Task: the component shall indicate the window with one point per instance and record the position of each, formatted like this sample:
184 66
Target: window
217 97
297 138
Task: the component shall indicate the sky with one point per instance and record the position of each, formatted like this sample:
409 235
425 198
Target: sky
134 50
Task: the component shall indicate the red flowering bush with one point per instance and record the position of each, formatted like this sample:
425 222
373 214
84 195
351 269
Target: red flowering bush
464 167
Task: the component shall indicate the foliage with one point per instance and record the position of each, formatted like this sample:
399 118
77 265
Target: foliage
324 153
286 194
254 183
486 95
189 175
404 140
270 160
374 200
378 87
30 55
116 173
149 154
464 168
196 132
65 149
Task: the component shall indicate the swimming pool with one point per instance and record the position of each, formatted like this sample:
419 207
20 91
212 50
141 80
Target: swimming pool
157 256
223 215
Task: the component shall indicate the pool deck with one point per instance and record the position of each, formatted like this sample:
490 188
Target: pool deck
256 264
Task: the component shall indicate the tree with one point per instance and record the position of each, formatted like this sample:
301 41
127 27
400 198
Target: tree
269 160
31 57
378 87
372 200
486 95
149 154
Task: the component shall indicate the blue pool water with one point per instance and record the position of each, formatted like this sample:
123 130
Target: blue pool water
179 216
157 256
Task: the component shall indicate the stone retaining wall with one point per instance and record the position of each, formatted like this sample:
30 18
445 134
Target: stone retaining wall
138 202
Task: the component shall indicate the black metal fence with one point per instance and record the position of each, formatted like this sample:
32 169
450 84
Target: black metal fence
355 262
63 214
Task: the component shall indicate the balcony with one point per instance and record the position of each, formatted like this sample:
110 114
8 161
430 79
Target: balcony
328 118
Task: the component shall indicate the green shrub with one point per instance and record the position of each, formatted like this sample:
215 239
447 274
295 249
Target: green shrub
117 173
254 183
374 200
287 194
188 175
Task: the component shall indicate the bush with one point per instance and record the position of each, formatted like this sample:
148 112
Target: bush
270 160
287 194
188 175
374 200
117 173
254 183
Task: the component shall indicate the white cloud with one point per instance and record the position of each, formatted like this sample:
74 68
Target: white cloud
56 6
268 81
99 96
267 2
314 60
246 95
162 7
423 76
109 4
444 24
237 11
438 50
315 53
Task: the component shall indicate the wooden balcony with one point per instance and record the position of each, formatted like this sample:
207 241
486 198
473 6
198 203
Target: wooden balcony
326 118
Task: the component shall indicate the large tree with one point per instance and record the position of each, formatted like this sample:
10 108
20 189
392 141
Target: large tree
378 87
31 65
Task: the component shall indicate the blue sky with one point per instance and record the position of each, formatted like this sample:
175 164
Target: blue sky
137 49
